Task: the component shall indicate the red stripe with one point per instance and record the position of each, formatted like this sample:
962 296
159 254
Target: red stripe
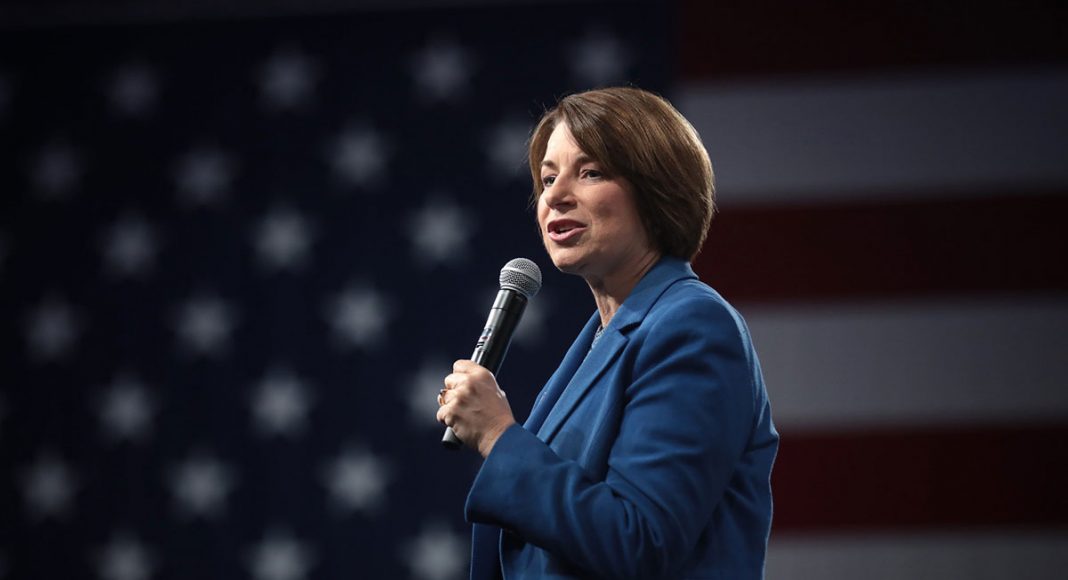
824 252
760 37
922 478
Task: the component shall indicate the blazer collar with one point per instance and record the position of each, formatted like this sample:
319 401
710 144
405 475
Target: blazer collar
648 290
579 370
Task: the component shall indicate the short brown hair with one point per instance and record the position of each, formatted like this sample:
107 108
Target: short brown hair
639 136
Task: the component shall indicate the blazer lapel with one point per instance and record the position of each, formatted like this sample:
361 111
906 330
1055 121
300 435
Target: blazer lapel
580 371
548 396
596 362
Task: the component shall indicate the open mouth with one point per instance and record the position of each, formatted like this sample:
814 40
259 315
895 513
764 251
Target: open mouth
560 230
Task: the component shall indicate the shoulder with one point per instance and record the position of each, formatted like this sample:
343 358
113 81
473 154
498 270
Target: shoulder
692 304
693 337
690 319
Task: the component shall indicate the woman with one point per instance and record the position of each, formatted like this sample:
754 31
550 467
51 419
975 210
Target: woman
648 453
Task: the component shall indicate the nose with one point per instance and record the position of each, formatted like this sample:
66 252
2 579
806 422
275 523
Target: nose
559 194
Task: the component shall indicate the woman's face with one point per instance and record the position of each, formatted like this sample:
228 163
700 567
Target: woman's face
588 220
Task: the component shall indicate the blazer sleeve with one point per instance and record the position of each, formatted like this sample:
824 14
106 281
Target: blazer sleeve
686 420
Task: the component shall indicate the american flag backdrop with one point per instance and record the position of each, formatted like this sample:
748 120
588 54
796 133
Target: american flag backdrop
240 256
892 179
241 243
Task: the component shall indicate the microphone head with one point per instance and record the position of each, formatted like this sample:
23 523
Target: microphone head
523 276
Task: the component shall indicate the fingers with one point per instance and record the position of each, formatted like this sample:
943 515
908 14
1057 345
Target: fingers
449 404
456 386
466 395
458 390
444 418
470 367
449 396
467 375
463 365
454 380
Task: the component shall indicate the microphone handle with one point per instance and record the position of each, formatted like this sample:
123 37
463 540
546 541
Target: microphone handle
493 343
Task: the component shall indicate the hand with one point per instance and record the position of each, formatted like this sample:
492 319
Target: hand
474 406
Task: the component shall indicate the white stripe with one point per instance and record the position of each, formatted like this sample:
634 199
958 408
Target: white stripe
971 556
845 365
801 139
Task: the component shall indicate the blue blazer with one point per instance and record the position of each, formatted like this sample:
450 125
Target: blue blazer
648 456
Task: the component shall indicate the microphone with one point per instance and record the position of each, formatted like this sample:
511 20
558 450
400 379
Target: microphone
520 281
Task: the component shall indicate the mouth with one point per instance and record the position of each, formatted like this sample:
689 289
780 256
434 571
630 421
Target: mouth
563 230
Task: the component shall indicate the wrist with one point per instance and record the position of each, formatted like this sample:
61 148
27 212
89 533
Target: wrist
485 446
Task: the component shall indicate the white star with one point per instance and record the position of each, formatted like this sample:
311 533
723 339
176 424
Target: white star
359 156
56 171
442 71
126 409
287 80
280 403
357 481
49 487
280 557
204 325
423 391
439 232
130 247
125 558
52 330
200 486
133 89
437 553
599 60
203 176
506 148
282 239
359 317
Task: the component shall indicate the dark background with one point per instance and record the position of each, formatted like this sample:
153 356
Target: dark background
965 490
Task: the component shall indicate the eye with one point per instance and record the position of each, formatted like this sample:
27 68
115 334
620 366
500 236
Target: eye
548 180
592 173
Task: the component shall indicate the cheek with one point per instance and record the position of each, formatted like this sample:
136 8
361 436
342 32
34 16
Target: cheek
618 218
541 220
542 215
607 215
541 210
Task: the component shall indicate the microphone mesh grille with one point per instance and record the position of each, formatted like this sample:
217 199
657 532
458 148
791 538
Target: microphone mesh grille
523 276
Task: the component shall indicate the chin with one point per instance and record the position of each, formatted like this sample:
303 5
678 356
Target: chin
568 264
562 261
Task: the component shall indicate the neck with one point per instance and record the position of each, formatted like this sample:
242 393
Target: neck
610 290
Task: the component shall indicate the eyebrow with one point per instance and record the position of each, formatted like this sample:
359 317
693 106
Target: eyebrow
579 160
